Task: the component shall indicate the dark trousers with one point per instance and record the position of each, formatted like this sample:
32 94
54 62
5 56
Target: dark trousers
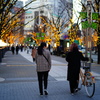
13 52
16 52
42 77
33 59
73 85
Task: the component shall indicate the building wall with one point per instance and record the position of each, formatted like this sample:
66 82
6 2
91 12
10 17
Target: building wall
19 4
30 15
65 11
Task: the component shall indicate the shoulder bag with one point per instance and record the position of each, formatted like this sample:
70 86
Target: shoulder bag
45 58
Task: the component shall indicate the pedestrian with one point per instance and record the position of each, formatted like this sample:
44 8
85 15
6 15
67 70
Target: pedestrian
34 50
21 48
17 49
13 49
28 49
43 66
74 57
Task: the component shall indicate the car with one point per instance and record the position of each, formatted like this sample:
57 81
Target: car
82 49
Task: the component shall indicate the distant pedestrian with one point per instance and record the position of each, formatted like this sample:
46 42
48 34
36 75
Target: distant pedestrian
51 50
25 47
28 49
33 54
13 49
74 58
21 48
17 49
43 66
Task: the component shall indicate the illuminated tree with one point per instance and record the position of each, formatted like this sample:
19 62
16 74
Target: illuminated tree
72 28
58 22
10 22
95 38
52 32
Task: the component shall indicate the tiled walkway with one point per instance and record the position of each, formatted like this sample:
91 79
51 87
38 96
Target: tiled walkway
21 81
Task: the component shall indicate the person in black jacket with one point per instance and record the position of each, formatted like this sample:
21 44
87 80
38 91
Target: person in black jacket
17 49
74 58
13 49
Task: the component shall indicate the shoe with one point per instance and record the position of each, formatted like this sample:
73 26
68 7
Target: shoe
46 92
76 90
72 93
79 89
41 94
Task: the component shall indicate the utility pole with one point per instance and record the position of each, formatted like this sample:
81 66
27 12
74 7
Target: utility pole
89 31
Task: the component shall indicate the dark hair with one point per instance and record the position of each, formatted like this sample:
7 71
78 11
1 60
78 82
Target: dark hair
40 48
43 44
74 47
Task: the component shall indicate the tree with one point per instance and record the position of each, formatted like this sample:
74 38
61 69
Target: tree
10 22
58 22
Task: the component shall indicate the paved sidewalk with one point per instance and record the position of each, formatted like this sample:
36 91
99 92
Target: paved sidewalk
59 69
20 80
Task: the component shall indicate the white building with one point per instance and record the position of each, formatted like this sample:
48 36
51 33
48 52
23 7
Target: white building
76 9
64 10
35 10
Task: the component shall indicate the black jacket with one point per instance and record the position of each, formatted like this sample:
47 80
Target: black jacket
74 63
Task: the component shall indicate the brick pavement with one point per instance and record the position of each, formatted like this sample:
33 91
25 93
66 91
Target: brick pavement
21 82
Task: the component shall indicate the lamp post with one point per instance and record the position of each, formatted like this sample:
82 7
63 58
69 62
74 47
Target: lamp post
89 31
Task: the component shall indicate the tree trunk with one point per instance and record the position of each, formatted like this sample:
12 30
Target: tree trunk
98 54
98 46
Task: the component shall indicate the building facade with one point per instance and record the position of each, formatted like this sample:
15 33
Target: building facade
32 15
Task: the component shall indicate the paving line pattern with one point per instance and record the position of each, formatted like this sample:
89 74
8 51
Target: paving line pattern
58 70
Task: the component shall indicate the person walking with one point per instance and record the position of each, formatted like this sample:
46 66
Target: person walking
13 49
34 50
21 48
74 57
43 66
28 49
17 49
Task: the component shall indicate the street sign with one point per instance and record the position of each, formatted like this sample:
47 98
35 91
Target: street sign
40 35
86 24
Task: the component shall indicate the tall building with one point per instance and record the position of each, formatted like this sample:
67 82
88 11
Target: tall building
32 15
76 9
19 4
63 10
